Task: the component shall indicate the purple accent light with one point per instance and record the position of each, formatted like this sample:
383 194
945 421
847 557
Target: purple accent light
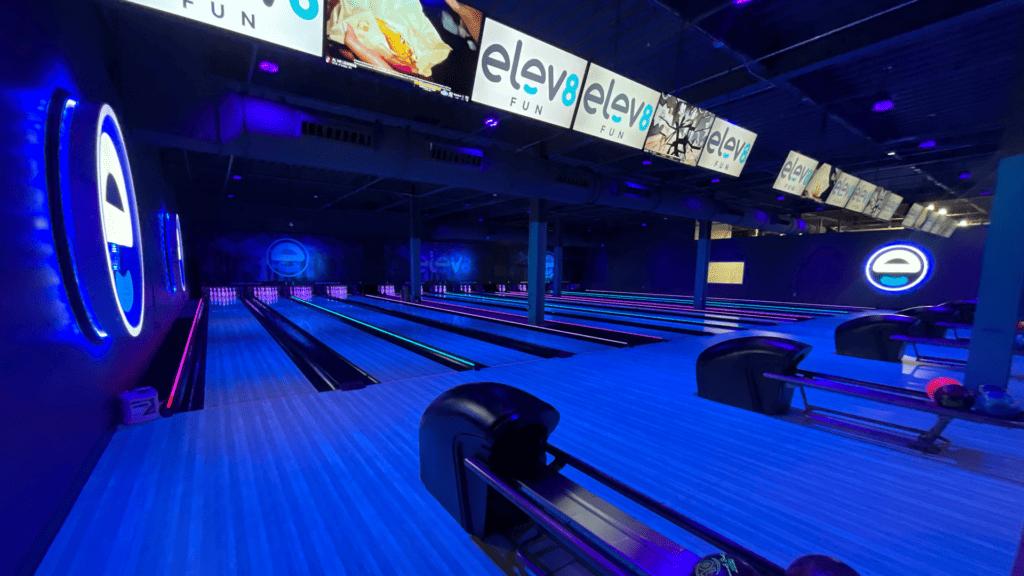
646 162
780 197
644 224
883 105
491 122
480 220
740 2
269 67
986 192
635 185
927 144
231 195
820 208
236 177
964 176
715 180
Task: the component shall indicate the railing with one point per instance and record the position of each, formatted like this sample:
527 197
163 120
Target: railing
188 352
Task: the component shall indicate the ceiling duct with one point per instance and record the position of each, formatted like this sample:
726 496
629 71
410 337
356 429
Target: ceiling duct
272 131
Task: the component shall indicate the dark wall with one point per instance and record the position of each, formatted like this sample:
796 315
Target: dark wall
57 389
815 268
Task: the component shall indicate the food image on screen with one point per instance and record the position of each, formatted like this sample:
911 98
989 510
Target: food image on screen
913 213
860 196
679 130
839 195
891 204
822 182
434 44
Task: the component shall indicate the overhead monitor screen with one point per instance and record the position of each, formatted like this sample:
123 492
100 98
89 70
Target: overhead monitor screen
914 214
822 183
860 196
727 148
292 24
615 108
892 203
932 218
433 44
876 203
522 75
951 227
679 130
843 188
796 174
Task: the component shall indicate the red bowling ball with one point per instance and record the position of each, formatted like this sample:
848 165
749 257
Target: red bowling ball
939 383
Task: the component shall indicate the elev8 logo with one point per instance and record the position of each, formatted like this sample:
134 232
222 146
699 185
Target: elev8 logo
294 24
795 173
897 268
615 108
525 76
727 148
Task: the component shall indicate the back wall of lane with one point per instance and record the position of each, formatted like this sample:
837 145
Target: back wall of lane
815 268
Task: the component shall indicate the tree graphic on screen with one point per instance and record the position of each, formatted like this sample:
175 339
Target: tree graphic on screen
680 130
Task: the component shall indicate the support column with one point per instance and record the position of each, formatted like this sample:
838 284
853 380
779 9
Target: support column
538 250
1002 268
700 280
1002 282
556 281
415 229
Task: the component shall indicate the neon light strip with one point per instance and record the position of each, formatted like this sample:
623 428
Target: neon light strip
725 305
681 308
562 322
372 327
188 347
828 306
628 315
507 322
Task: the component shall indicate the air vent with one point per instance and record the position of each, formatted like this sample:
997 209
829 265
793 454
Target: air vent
453 155
574 182
346 135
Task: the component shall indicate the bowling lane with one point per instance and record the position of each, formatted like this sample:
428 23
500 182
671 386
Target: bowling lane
244 363
595 320
382 360
594 317
558 342
471 348
736 306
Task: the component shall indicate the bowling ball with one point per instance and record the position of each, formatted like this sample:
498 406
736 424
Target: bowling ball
939 383
818 565
722 564
994 401
954 396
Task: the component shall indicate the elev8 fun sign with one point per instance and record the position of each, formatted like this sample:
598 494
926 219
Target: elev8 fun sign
615 108
295 24
727 148
525 76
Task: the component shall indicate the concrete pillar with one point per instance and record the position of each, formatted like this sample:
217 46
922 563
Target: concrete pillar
538 250
415 229
700 280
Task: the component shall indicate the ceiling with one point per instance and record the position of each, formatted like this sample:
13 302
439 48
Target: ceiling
800 73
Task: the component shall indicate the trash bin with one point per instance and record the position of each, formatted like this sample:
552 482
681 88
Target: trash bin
139 405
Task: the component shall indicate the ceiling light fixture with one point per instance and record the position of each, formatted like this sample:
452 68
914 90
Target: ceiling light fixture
646 162
931 206
883 102
892 153
964 176
963 222
927 144
715 180
491 122
236 177
943 211
269 67
780 197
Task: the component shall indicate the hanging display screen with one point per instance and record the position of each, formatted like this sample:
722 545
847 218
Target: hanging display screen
860 196
727 148
679 130
796 174
433 44
522 75
615 108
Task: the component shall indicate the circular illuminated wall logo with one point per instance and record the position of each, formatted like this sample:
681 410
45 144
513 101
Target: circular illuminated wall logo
287 257
897 268
95 218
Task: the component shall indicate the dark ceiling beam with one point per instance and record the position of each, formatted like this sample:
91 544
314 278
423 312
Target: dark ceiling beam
408 195
434 215
353 192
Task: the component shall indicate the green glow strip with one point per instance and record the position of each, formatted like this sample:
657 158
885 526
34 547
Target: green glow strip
723 325
404 339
